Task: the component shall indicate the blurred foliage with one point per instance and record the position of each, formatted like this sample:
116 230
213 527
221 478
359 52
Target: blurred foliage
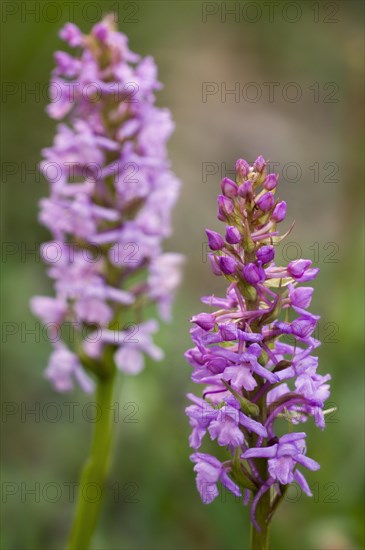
152 456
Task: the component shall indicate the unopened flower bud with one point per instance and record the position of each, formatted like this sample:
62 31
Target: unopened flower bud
253 274
225 208
233 236
271 181
215 240
266 202
214 264
242 169
101 31
245 190
265 254
279 212
229 187
259 164
206 321
227 265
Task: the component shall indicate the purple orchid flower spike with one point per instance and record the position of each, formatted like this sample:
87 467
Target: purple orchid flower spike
109 208
107 225
251 376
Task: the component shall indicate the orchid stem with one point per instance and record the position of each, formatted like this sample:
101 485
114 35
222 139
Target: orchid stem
91 488
260 540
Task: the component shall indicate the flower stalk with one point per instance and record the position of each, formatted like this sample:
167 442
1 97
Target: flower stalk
260 539
94 473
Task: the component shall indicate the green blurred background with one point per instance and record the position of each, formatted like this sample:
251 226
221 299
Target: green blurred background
315 45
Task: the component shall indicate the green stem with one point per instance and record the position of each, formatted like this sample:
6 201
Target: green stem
91 490
260 540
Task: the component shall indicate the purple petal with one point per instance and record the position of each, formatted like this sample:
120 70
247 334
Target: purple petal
253 425
307 462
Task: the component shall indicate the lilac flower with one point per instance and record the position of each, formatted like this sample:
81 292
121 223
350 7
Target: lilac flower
129 356
282 460
283 457
163 280
72 35
50 310
225 428
251 378
109 207
300 298
63 368
209 471
297 268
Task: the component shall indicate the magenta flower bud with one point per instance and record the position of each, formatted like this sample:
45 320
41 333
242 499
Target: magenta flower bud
225 208
214 264
253 274
206 321
279 212
233 236
227 265
265 254
259 164
215 240
101 31
271 181
266 202
245 190
229 188
242 169
297 267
